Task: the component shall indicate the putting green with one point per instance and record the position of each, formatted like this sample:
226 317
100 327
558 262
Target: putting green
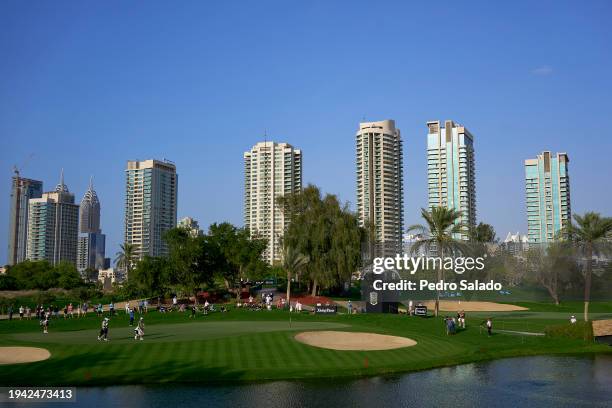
193 331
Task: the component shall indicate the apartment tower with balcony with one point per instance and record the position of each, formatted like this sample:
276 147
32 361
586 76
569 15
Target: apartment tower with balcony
451 175
380 191
271 170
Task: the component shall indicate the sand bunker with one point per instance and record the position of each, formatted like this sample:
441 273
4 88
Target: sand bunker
16 355
473 306
340 340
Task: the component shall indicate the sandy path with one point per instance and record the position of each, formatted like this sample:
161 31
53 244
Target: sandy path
472 306
339 340
16 355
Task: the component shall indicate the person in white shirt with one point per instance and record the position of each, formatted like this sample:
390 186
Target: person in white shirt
104 330
573 319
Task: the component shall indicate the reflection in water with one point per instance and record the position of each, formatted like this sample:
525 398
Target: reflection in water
530 382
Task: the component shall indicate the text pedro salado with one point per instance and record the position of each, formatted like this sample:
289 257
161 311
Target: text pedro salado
459 265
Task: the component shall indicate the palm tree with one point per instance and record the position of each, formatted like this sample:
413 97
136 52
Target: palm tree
589 234
438 235
293 262
126 257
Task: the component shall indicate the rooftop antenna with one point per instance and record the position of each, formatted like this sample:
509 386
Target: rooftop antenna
90 183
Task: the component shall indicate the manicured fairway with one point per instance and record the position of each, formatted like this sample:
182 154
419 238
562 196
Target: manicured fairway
246 346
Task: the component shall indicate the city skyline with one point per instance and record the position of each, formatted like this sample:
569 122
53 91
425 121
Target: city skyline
68 89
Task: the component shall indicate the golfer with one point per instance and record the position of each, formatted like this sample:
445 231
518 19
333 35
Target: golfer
461 319
45 325
489 325
139 330
104 330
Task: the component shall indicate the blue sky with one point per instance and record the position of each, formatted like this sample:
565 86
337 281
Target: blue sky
88 85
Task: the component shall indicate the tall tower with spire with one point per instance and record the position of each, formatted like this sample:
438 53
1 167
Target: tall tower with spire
92 243
89 211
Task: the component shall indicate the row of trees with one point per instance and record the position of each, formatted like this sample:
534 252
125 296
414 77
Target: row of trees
225 253
556 266
42 275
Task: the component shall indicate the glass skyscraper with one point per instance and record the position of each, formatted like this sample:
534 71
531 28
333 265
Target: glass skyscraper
92 243
53 226
451 174
547 188
22 190
150 205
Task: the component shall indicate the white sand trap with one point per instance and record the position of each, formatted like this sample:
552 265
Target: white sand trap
16 355
341 340
473 306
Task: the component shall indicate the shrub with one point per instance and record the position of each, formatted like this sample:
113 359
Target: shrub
578 331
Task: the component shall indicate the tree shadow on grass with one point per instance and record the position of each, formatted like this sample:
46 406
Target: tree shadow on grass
93 368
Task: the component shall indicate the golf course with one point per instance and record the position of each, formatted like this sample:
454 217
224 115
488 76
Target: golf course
242 346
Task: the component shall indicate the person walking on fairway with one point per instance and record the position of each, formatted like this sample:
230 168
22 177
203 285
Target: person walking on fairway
139 330
45 324
489 325
461 319
104 330
131 312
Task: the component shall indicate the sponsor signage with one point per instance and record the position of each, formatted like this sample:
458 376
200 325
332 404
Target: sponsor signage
420 310
327 309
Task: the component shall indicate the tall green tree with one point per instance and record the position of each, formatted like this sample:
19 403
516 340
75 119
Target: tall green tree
483 233
68 276
126 258
552 267
152 275
192 260
591 235
242 256
293 262
327 233
441 224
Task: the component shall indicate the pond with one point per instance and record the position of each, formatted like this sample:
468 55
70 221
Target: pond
542 381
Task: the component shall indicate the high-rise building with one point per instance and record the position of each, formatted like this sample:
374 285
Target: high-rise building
380 191
191 226
91 251
150 205
92 243
451 171
270 170
53 226
89 211
22 190
547 196
515 244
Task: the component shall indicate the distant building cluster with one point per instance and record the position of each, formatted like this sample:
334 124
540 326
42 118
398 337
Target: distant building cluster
50 226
